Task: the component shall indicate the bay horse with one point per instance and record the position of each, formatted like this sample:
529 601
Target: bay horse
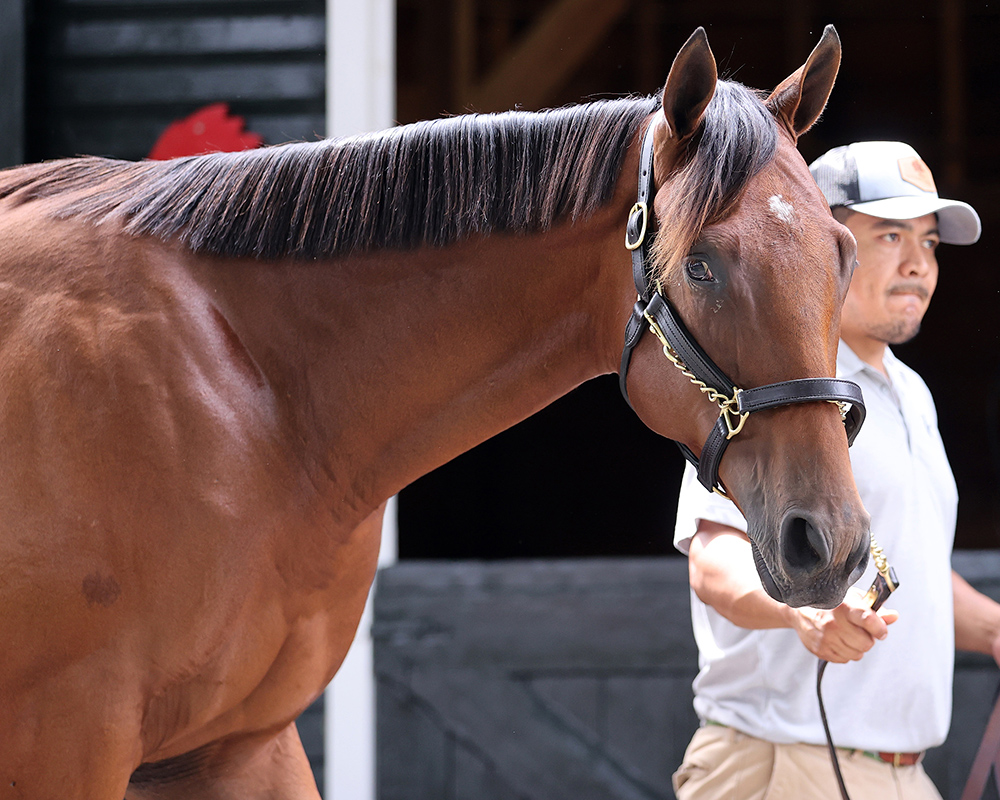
215 370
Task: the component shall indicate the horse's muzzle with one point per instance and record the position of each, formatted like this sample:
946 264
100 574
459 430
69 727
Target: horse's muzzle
809 572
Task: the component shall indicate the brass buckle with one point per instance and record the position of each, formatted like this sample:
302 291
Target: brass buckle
730 409
641 207
728 406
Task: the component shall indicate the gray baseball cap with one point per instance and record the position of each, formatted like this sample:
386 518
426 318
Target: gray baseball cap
889 180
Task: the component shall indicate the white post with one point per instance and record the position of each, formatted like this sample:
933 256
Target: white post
360 66
349 725
360 97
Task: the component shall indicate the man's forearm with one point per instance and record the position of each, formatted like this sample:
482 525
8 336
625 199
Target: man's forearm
723 576
977 619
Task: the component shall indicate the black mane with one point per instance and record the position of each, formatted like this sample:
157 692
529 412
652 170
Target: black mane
426 184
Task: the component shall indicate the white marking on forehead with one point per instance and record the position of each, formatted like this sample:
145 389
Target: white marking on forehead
782 209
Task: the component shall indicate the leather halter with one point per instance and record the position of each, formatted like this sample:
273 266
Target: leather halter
654 312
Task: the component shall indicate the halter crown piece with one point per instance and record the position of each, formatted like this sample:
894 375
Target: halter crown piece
653 312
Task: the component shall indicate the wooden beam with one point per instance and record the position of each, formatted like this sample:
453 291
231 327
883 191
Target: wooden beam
953 99
464 44
798 18
547 55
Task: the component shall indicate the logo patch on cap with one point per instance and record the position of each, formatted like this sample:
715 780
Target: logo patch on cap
914 170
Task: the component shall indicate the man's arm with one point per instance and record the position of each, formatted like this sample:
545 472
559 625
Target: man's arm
723 575
977 619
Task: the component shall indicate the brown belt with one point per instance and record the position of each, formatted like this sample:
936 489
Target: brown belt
896 759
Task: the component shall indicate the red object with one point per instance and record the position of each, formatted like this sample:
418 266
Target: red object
211 129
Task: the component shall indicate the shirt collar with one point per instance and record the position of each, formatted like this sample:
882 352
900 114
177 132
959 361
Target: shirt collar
849 363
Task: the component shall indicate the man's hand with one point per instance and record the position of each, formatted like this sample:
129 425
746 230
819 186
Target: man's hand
844 633
723 575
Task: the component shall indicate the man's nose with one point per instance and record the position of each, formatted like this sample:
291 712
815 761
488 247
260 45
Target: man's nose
916 260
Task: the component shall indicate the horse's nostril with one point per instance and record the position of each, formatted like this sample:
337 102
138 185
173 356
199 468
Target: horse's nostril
803 547
858 560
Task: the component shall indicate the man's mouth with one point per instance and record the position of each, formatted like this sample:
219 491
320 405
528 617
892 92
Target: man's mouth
916 289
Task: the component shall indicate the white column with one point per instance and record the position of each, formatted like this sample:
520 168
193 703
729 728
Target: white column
360 97
349 724
361 66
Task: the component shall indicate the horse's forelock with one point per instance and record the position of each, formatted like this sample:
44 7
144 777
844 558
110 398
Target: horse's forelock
737 139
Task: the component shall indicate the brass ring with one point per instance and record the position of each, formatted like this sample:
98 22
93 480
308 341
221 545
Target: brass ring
642 233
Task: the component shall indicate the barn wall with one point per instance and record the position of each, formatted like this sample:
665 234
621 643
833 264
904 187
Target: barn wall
108 76
12 24
553 680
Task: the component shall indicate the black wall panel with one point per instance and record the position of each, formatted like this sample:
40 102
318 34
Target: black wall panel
571 680
12 27
108 76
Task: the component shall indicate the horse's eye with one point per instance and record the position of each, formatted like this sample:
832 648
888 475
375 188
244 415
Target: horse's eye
697 270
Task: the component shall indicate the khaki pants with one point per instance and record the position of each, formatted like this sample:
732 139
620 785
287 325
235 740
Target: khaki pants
724 764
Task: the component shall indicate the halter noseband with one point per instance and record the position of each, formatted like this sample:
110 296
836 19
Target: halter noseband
654 312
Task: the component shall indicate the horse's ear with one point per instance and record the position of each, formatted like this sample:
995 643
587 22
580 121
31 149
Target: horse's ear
690 86
801 97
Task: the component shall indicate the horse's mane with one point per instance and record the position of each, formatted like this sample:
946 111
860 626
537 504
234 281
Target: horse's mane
430 183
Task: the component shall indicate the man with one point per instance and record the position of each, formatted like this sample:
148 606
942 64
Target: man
887 693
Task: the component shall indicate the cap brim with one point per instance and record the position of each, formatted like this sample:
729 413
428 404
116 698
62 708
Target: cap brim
958 222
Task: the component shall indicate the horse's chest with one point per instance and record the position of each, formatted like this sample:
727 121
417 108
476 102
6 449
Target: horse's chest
274 651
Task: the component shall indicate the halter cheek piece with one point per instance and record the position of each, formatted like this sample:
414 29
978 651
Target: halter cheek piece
653 312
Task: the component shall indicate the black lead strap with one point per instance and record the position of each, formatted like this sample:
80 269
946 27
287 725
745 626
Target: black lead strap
885 584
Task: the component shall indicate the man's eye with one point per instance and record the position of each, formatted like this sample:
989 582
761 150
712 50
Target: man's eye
698 270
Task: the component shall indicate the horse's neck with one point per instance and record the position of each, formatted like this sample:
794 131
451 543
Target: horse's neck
405 360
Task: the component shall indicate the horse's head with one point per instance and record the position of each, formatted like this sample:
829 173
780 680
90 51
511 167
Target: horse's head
750 257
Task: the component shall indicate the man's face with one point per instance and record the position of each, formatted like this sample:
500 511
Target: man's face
895 278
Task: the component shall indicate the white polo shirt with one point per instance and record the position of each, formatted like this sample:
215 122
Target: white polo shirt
898 697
